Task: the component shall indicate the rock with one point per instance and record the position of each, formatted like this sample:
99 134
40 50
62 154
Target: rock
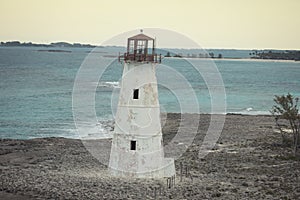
245 184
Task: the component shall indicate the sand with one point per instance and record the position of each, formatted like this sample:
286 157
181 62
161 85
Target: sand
248 162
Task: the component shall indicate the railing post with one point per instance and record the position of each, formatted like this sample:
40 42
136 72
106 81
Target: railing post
181 171
174 180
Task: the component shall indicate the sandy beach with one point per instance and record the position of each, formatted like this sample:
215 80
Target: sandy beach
248 162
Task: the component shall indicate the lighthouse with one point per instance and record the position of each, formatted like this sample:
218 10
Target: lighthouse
137 144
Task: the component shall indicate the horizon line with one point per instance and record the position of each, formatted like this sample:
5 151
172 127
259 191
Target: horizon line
123 46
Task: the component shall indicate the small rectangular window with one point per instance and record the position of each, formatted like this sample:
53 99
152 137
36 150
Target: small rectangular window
132 145
131 46
136 94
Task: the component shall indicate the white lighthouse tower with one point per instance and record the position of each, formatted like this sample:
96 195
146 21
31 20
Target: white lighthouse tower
137 146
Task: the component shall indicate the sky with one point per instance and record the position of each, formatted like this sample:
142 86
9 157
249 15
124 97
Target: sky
229 24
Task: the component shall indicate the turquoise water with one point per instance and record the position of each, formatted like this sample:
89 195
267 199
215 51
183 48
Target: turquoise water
36 89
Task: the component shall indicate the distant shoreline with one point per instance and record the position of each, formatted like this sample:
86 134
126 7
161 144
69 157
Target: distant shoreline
214 54
238 59
53 44
243 59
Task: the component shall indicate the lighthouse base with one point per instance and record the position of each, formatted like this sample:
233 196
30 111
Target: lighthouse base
166 170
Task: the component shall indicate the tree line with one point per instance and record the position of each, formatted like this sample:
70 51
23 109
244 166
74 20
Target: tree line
194 55
277 55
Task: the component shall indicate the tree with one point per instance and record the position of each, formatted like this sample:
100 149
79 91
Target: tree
286 108
220 56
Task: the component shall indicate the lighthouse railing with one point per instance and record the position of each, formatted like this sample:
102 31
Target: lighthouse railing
140 57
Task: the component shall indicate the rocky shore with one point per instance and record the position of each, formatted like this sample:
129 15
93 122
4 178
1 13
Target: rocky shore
248 162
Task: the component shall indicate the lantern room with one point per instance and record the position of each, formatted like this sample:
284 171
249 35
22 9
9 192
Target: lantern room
140 48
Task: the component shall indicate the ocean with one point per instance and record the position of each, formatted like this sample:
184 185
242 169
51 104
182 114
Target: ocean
36 87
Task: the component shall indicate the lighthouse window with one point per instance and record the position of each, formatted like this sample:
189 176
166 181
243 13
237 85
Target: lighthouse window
141 46
150 46
131 46
136 94
132 145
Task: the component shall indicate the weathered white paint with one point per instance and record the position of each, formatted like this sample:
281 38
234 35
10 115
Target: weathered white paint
139 120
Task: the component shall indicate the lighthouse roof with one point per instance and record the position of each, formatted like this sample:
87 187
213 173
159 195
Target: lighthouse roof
140 36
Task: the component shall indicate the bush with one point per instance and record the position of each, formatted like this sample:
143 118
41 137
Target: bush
286 110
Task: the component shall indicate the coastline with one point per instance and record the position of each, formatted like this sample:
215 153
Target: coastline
256 60
247 162
63 47
240 59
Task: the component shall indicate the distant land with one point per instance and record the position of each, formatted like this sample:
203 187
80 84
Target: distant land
192 53
254 54
276 55
54 44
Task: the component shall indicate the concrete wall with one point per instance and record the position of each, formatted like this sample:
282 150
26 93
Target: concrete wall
139 120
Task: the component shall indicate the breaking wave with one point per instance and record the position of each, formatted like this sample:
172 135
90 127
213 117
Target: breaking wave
109 84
